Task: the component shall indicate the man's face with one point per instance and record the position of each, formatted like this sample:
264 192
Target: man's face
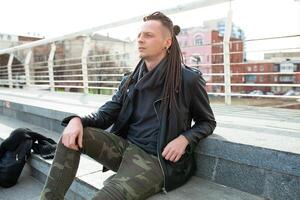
152 40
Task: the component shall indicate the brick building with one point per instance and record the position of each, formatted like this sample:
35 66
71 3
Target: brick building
202 48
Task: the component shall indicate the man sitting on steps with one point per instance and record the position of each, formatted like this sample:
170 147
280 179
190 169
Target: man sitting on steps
151 143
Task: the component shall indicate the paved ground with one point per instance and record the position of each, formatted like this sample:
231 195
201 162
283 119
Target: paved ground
264 127
292 103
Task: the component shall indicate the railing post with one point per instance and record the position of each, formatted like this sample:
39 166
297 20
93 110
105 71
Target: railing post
26 66
226 53
50 66
84 60
9 71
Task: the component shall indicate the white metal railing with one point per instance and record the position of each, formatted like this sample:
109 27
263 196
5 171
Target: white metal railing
102 72
14 75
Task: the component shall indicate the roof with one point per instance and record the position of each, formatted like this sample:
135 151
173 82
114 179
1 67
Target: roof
105 38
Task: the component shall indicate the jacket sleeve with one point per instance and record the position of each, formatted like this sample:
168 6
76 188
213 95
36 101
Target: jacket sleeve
104 116
201 112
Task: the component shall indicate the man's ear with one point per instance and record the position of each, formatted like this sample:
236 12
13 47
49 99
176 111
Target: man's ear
168 42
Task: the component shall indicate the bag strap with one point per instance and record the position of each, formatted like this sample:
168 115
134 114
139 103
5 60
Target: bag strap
38 137
45 146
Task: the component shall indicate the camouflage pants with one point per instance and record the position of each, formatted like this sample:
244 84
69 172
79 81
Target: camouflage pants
138 174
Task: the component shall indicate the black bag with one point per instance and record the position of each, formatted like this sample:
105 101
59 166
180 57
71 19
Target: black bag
16 149
12 161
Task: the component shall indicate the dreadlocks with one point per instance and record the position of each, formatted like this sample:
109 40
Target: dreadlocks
172 83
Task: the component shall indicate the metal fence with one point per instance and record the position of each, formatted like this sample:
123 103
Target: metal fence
79 62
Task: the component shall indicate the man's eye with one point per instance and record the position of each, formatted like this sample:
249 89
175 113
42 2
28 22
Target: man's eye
145 35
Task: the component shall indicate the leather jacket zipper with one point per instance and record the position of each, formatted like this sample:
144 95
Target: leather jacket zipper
158 153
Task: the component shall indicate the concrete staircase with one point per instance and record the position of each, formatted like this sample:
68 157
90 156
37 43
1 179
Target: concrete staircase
253 154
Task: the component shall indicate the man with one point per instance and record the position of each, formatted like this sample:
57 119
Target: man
151 143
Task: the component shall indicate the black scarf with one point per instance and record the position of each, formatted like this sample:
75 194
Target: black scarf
150 79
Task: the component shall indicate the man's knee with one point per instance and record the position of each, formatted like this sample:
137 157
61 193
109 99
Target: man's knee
131 188
91 134
112 191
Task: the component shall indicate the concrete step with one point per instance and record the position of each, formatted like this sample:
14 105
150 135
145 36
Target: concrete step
245 152
89 178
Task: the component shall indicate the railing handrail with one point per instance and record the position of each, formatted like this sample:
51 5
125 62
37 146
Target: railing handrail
179 8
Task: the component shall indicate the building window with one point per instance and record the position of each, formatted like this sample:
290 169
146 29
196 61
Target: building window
287 78
287 67
198 41
250 78
275 79
261 68
261 79
255 68
249 68
39 58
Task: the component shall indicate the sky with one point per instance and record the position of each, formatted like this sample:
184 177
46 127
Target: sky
50 18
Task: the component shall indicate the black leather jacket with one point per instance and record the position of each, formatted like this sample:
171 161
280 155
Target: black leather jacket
194 105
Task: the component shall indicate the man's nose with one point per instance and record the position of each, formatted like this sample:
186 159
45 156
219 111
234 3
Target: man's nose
140 39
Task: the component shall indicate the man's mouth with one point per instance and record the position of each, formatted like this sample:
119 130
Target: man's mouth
141 48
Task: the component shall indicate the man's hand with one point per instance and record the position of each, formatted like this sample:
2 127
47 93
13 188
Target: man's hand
175 149
72 134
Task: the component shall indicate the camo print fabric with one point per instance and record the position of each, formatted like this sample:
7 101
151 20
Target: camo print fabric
138 174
